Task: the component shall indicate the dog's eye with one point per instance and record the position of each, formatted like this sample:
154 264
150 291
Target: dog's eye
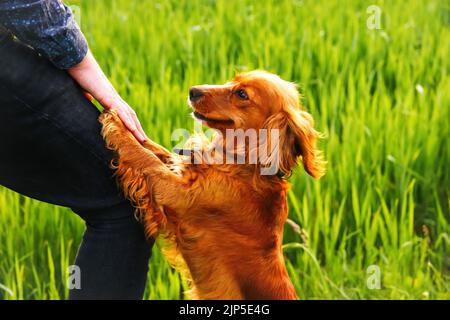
242 94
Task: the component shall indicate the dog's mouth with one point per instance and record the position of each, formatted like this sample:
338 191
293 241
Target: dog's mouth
212 121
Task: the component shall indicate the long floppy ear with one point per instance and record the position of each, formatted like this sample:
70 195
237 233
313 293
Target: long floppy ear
297 139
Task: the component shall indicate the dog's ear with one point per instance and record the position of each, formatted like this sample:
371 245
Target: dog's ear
297 140
301 138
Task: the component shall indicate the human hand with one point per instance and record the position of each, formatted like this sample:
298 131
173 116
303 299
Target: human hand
96 85
126 114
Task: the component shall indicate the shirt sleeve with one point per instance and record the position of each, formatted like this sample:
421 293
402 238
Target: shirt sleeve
48 26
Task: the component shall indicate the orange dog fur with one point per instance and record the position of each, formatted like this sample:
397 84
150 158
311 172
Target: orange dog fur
222 223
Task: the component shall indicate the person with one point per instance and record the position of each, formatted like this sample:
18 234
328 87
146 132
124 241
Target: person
51 147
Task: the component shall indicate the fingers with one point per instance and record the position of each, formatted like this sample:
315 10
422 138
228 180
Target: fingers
88 96
129 120
127 115
138 125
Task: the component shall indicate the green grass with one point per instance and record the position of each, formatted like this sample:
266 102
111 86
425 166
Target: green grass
386 196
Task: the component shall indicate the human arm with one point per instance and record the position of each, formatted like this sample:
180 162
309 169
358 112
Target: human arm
49 27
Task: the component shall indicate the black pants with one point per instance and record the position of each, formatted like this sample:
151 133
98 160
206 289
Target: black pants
51 150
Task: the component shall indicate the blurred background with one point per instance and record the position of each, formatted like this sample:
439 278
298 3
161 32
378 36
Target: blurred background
375 77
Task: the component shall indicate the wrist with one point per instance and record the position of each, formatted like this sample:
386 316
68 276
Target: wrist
91 78
109 98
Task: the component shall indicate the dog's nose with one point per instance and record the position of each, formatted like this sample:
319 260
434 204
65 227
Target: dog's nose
195 94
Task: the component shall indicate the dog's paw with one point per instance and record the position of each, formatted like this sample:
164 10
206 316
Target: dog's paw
110 118
114 131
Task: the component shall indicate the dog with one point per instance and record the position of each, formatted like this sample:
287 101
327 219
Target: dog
222 223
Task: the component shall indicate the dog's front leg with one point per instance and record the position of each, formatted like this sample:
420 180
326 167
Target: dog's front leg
162 153
115 133
144 178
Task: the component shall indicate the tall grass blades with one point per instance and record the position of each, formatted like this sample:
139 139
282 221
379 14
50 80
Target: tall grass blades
381 96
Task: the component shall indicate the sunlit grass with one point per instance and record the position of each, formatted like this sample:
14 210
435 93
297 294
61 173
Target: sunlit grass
382 98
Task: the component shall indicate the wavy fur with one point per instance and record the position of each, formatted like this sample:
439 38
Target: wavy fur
222 224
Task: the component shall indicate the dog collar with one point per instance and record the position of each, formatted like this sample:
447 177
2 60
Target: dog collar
281 174
189 152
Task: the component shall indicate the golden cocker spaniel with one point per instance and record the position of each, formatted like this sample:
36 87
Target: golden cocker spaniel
222 219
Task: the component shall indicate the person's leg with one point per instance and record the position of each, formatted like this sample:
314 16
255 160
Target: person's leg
113 256
51 149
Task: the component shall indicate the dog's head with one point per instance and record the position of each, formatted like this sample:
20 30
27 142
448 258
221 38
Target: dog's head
261 100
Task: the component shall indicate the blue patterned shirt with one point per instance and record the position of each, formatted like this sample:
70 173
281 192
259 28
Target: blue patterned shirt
46 25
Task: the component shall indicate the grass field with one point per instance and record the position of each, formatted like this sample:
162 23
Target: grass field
382 98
